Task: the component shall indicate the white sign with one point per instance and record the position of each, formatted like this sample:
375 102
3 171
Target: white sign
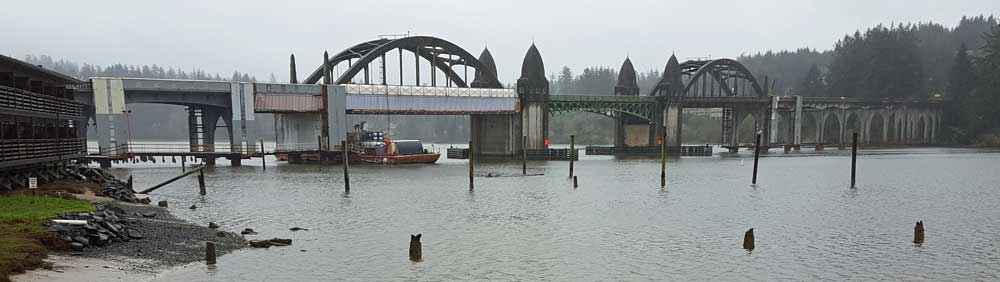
32 182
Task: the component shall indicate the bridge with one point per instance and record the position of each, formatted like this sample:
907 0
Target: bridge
311 115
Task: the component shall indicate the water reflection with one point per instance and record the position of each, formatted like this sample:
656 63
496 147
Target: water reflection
619 225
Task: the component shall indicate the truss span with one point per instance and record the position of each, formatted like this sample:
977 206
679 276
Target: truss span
719 78
640 106
443 54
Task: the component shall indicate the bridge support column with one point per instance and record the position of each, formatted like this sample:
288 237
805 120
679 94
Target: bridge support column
297 131
201 130
631 131
111 131
336 106
495 135
885 127
535 125
672 121
732 136
797 122
771 115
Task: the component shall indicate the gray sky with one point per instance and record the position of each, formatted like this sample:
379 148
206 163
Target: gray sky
257 36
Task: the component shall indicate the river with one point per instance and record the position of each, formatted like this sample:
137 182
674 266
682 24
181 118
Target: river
618 225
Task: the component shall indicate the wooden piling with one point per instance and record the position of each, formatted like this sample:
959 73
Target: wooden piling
472 165
183 158
319 148
209 253
575 182
663 158
201 182
756 156
157 186
263 163
854 159
572 155
416 249
748 242
524 155
346 159
918 233
129 183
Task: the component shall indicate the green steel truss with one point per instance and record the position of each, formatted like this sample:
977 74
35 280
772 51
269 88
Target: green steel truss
641 106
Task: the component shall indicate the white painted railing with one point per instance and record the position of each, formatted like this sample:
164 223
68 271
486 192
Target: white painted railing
396 90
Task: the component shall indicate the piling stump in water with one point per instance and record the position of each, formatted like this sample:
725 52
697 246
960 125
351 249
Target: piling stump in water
209 253
416 254
162 204
748 240
201 182
575 182
918 233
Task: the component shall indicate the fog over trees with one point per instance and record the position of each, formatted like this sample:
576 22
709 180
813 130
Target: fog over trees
897 60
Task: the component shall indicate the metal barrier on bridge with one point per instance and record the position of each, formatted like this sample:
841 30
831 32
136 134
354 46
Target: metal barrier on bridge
397 90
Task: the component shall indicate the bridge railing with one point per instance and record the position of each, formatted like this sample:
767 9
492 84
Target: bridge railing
18 99
305 147
125 150
429 91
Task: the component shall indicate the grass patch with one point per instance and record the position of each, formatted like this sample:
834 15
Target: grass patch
22 237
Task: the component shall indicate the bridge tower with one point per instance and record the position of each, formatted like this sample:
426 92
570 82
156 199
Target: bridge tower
492 135
533 89
669 118
629 129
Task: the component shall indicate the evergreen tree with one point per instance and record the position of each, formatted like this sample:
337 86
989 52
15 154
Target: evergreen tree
813 83
985 100
961 82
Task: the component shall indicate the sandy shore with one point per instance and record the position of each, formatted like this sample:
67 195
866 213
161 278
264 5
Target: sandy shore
71 268
168 242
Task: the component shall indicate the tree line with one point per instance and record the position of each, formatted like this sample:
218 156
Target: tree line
922 60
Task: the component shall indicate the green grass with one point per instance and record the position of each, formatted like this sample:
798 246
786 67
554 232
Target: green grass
33 209
21 232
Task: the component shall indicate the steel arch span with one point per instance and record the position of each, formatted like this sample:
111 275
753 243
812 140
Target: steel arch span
441 53
719 78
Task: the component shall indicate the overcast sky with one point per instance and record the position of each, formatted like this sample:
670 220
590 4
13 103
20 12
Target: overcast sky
258 36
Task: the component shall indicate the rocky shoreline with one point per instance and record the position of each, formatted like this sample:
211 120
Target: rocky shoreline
135 237
150 235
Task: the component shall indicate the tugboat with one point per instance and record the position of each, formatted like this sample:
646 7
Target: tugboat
376 147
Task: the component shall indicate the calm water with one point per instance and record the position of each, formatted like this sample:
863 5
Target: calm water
619 225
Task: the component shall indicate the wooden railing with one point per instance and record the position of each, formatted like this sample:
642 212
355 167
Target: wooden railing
22 149
18 99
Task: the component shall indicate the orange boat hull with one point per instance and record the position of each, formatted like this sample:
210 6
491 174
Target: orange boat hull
403 159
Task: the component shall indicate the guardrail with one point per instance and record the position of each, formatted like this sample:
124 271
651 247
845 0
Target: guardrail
166 148
396 90
13 98
21 149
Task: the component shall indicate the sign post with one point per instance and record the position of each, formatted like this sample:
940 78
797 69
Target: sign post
33 184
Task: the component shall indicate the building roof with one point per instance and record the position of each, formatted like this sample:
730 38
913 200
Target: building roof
22 68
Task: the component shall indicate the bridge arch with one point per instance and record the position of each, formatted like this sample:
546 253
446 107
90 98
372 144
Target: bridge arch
702 78
426 47
876 128
810 127
853 123
832 126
